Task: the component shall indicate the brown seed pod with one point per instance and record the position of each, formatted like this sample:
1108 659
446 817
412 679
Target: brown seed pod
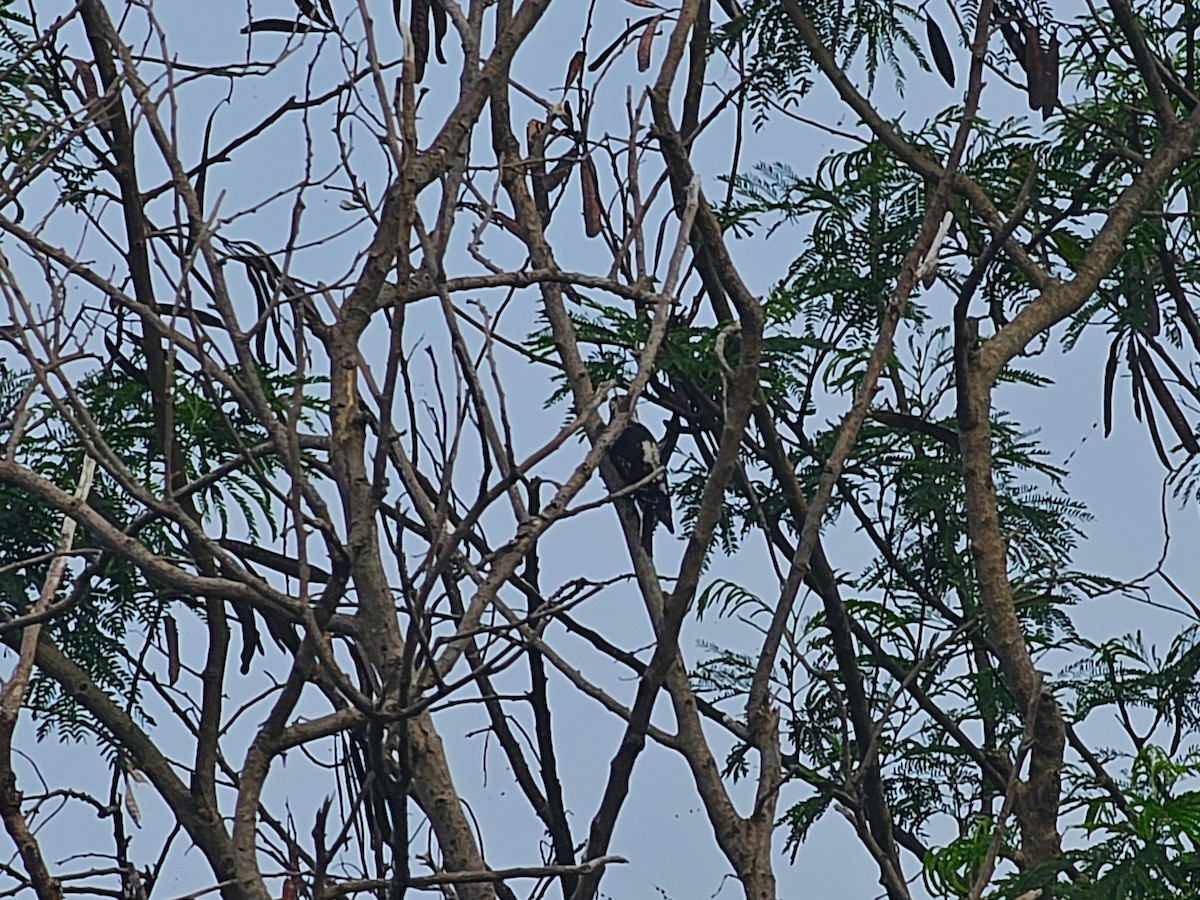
646 42
1048 90
1035 64
590 183
574 68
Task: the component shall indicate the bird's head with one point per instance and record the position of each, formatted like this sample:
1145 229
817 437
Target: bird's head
618 403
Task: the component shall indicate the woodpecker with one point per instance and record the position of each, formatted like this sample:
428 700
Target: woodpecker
636 457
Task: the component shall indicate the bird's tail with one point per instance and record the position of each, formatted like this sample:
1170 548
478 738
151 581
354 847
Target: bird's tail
648 523
662 509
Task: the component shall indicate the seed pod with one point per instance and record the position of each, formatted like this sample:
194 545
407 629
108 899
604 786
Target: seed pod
590 183
1034 64
1013 38
535 136
440 24
574 68
1110 377
418 27
1165 400
1049 87
938 50
646 42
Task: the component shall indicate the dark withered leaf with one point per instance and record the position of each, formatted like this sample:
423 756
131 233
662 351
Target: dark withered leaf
939 50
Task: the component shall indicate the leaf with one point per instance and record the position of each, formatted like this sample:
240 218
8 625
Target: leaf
1068 245
1110 375
938 50
171 632
590 184
644 4
574 68
646 42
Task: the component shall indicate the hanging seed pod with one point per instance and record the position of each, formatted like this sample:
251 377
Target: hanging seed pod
574 69
440 24
418 27
1034 64
1110 377
1048 89
1013 38
1167 402
535 137
939 50
309 9
590 183
646 42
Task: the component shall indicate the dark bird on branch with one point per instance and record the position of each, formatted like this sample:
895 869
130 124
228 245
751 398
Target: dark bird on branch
638 460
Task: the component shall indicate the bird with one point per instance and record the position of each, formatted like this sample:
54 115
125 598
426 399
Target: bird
636 457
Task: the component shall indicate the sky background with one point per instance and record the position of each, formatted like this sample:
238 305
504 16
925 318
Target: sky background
663 829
